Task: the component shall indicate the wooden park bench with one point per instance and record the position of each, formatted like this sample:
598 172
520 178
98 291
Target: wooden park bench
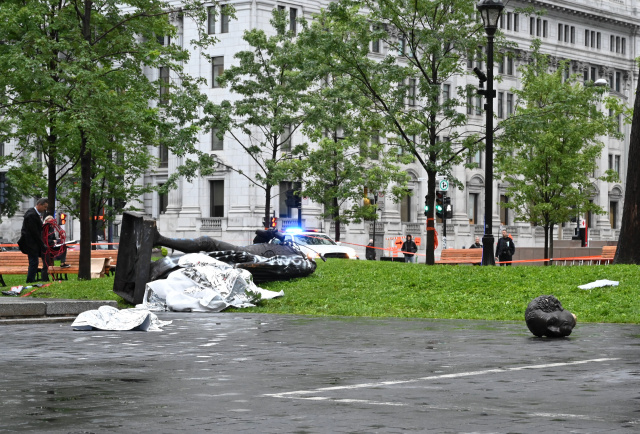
460 256
98 268
15 263
608 252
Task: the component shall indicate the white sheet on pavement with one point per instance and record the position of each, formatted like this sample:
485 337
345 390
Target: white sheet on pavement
111 318
204 285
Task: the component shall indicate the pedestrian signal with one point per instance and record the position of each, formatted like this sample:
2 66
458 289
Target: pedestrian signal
274 222
439 203
448 208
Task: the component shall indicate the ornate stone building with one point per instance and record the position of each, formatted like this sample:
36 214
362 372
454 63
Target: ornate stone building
600 38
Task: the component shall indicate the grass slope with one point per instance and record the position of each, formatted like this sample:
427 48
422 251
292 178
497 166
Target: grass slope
392 289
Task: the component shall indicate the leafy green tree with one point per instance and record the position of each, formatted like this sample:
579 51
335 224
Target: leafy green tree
75 89
346 157
424 45
271 91
548 148
629 239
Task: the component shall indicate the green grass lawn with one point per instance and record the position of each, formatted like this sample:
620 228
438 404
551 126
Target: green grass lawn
392 289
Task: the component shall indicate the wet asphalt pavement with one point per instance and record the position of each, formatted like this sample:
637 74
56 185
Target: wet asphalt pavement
235 373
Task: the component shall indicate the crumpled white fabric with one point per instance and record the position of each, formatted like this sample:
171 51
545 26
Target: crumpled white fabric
204 285
111 318
599 284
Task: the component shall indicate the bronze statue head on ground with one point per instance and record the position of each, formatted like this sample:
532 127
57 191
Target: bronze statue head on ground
546 317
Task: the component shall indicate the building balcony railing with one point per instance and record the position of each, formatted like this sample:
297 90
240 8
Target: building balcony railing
211 223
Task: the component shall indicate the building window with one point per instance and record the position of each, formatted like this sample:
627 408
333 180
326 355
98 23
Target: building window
216 198
545 28
472 208
405 208
532 26
612 43
163 156
475 159
618 78
217 140
162 201
478 105
375 46
504 212
446 92
285 139
411 94
623 45
560 31
573 35
164 84
613 214
211 20
593 74
617 44
501 105
509 65
224 20
218 69
469 104
501 66
509 104
616 164
293 20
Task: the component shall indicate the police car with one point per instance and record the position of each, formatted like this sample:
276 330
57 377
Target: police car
313 244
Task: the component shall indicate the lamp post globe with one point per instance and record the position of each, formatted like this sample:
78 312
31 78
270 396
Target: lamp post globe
490 11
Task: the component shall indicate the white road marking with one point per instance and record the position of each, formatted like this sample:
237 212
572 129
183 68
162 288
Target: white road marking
295 394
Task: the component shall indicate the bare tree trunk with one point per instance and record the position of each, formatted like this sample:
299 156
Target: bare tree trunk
431 222
84 271
550 243
546 241
627 251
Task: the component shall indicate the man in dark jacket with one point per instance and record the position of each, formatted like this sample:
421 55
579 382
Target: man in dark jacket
409 249
30 242
505 249
370 251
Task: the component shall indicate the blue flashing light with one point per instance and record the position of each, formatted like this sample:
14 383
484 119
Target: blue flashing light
294 231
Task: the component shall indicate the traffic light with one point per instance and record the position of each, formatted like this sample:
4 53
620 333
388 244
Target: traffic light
274 222
63 218
448 208
426 205
439 203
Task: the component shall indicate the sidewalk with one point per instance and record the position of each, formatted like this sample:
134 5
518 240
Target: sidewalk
21 310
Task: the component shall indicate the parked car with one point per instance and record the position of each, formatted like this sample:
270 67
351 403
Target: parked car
314 244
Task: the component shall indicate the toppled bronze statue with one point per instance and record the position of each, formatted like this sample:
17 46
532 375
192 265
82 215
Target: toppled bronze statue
265 261
546 317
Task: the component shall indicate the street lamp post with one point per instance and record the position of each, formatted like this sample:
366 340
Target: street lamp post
490 11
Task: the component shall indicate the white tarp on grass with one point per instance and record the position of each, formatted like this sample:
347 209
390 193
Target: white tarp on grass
204 284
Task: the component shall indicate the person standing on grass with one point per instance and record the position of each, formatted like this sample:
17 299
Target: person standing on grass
30 242
409 249
505 248
370 253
